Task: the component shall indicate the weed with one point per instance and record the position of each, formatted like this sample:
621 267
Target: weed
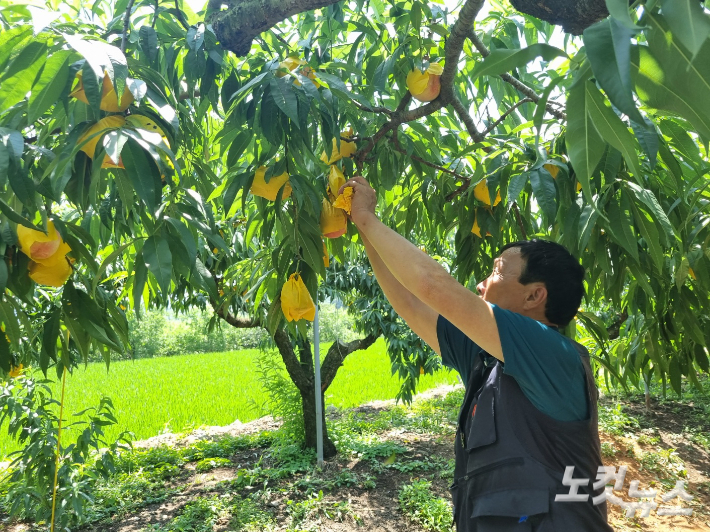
698 437
200 515
647 438
208 464
314 508
125 493
421 506
248 516
665 463
608 450
226 446
615 421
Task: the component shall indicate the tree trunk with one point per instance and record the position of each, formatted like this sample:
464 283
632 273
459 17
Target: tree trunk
308 400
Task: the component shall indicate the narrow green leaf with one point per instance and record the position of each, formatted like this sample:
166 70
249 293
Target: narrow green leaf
608 45
16 217
650 236
49 86
501 61
584 144
17 80
148 39
669 79
649 199
143 174
140 276
543 186
688 22
681 272
285 98
612 129
159 261
620 228
619 10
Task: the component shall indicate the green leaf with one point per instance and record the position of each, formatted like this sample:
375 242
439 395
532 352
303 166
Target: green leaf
681 272
688 21
542 103
611 128
674 372
16 217
584 145
543 186
608 46
159 261
669 80
111 259
17 80
140 276
148 39
649 199
9 41
650 235
185 236
619 10
13 141
701 358
285 99
620 224
143 174
49 86
648 139
501 61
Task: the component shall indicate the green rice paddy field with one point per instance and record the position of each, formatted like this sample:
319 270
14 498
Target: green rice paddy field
178 393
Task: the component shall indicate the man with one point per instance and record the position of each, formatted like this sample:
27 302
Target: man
530 408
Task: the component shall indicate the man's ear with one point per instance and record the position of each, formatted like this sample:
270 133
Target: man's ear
536 296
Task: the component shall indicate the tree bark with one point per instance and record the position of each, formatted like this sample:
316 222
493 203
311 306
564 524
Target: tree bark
308 401
244 20
573 15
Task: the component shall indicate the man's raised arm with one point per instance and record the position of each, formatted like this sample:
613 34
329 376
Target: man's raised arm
420 317
425 278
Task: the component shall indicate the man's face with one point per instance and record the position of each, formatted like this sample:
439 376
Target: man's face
502 287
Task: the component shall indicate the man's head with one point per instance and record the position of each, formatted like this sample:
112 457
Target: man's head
536 278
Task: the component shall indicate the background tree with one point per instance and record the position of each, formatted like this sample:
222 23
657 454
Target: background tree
159 157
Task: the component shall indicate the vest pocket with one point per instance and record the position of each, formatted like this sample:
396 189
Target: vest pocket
521 504
483 422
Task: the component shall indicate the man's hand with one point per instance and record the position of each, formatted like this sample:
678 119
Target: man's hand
364 198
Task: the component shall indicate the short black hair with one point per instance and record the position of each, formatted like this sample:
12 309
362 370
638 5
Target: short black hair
550 263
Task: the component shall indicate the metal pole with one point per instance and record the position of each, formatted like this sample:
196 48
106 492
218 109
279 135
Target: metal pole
319 404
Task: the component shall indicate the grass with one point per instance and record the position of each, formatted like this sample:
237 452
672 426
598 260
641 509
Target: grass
420 505
179 393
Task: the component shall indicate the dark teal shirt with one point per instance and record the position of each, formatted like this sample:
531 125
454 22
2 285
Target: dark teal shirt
545 364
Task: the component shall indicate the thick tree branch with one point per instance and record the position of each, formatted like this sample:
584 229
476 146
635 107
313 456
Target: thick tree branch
519 85
244 20
573 16
336 355
467 120
454 46
234 321
126 24
293 366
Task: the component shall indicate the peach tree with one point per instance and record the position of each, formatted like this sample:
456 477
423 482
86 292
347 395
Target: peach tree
154 156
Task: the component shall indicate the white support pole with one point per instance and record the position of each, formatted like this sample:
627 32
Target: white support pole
319 404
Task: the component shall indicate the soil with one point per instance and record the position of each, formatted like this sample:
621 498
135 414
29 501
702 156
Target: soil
377 509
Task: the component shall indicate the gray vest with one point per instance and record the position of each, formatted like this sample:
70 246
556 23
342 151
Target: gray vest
511 457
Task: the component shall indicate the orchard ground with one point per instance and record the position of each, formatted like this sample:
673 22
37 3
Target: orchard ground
391 473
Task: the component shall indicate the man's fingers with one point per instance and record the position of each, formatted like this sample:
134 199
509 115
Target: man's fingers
353 182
